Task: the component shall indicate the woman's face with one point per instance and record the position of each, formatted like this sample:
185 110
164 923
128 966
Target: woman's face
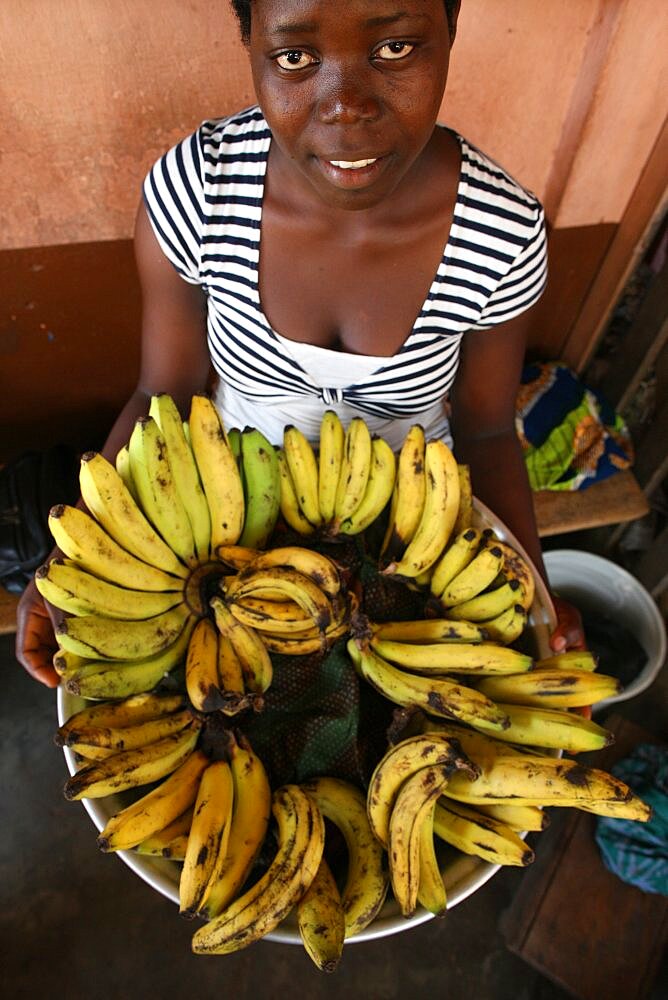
351 91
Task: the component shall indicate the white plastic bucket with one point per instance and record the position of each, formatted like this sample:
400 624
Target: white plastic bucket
604 587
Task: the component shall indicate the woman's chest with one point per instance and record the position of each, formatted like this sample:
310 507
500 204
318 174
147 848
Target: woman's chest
360 295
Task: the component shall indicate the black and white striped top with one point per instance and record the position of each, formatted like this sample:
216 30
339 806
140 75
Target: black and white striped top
204 198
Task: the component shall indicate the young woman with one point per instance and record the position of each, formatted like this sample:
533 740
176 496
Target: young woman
336 248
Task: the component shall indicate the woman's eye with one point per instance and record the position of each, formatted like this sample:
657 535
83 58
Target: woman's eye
295 59
394 50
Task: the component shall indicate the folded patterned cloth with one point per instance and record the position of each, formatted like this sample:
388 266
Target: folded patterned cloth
638 852
570 434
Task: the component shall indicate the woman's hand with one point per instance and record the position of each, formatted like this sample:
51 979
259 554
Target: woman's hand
35 638
569 633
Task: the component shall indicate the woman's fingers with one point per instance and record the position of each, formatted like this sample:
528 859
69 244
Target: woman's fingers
35 639
569 633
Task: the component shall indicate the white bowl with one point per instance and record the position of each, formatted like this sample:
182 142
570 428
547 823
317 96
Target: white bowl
604 586
462 877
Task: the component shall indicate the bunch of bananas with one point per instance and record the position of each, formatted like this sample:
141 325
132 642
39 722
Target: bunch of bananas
345 487
172 564
517 698
431 499
292 597
474 793
128 743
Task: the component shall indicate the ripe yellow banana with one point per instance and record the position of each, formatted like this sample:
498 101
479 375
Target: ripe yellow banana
366 880
572 659
218 472
236 556
113 739
434 695
118 639
303 467
292 584
413 806
183 467
438 515
553 688
129 712
431 889
301 838
82 539
202 680
233 694
472 832
123 678
208 837
507 627
171 842
290 509
553 729
157 489
429 630
131 768
320 920
378 489
479 658
112 504
474 578
465 512
156 810
518 818
251 652
251 812
66 664
286 627
73 590
486 606
400 762
531 779
355 470
456 557
303 646
515 567
122 463
408 496
262 488
322 570
330 457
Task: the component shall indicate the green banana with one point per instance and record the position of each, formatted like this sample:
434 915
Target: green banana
262 488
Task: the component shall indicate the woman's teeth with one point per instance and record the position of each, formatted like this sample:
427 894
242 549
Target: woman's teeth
352 164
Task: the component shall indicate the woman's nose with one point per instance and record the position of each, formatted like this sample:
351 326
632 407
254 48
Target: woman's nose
347 97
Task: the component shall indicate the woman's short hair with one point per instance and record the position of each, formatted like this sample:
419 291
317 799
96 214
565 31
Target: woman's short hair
242 8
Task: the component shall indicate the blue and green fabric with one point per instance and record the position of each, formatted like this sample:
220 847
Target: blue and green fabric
570 434
638 852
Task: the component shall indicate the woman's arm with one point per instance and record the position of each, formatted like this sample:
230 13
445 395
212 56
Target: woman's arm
174 359
483 404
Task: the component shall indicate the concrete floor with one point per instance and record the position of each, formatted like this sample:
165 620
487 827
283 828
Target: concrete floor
78 924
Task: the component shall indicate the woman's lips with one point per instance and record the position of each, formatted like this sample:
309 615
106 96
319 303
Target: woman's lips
352 173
